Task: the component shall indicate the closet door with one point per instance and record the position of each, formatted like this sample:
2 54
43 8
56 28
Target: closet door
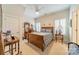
74 26
77 25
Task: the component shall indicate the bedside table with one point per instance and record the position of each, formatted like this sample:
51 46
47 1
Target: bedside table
59 37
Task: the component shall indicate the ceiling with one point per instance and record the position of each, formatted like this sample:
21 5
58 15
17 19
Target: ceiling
43 9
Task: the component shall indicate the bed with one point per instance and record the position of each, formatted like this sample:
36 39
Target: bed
40 39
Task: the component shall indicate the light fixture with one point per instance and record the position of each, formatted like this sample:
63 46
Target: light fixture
37 9
37 12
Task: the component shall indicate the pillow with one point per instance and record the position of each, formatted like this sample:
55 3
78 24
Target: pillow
73 49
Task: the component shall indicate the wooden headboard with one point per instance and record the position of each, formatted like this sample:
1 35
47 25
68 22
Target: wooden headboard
45 29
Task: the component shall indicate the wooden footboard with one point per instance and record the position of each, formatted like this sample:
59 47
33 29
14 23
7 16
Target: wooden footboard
37 40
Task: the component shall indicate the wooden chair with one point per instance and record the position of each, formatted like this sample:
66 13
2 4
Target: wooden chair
1 46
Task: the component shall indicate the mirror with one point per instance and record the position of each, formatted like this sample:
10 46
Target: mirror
26 29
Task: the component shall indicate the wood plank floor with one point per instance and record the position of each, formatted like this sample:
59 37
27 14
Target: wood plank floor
55 48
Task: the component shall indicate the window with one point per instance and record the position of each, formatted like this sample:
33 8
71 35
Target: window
60 24
37 27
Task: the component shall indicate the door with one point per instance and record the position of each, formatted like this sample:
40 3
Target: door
75 25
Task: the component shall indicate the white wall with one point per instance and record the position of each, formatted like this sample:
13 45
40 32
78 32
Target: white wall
12 18
49 19
28 19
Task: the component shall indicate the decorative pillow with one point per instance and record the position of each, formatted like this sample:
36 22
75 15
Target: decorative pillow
73 49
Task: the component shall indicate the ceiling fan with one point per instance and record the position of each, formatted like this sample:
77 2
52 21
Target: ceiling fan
37 9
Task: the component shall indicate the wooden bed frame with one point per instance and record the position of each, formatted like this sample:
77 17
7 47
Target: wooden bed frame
37 40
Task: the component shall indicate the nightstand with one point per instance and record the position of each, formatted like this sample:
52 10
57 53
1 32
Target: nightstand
59 37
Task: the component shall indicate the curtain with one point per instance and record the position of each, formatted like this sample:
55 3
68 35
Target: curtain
60 24
37 27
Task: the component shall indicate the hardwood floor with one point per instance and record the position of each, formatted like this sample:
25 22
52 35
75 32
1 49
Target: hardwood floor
55 48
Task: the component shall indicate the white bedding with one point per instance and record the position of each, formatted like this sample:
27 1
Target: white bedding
47 37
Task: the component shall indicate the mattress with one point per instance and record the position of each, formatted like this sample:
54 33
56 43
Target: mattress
40 33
